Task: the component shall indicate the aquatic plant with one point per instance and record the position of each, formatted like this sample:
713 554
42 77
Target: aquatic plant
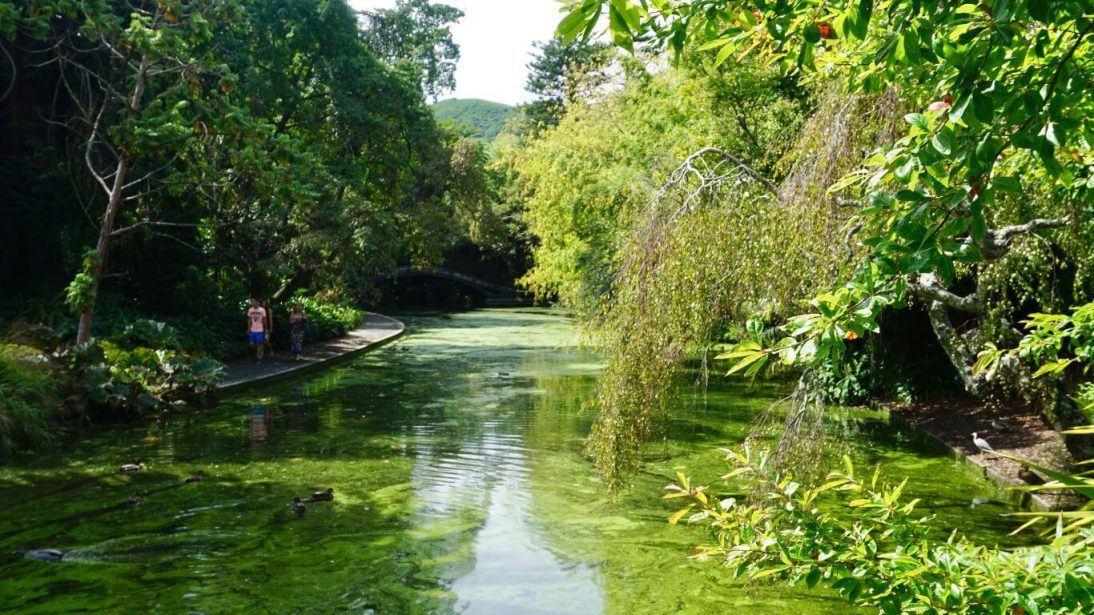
142 368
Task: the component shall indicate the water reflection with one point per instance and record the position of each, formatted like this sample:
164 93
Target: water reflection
260 430
460 487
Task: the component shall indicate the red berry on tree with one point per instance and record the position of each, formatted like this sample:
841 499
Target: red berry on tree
826 30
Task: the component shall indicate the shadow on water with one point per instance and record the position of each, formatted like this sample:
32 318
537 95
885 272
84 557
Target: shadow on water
456 459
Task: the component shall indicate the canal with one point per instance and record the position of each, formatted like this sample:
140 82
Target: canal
455 455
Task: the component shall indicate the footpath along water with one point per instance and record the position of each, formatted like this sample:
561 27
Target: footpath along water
455 455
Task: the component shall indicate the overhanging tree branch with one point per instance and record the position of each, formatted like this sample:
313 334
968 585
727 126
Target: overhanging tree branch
150 223
928 287
996 242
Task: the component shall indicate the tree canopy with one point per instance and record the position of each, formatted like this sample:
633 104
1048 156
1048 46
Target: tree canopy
230 149
991 146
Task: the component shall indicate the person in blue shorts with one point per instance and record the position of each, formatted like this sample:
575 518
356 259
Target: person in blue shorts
257 327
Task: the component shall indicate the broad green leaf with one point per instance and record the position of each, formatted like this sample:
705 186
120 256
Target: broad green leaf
943 141
1007 184
572 25
982 107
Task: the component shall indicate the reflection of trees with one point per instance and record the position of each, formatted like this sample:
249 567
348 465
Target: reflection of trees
640 561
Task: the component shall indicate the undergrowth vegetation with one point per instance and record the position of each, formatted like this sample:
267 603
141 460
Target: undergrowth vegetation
28 399
858 536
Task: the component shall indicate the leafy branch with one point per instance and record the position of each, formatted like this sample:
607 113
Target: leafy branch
859 537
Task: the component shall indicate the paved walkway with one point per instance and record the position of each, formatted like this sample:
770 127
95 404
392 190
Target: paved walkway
376 329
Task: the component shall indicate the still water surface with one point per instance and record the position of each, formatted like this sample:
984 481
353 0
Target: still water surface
460 486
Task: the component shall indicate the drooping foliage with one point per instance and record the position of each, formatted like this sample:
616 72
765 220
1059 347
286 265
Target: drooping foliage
584 182
971 205
946 204
656 213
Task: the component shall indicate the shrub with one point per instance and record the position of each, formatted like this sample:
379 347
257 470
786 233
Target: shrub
141 368
874 549
327 318
28 399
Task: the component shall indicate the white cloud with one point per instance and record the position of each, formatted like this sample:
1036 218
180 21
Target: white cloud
495 39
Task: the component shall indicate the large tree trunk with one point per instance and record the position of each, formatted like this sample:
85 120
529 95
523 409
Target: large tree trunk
955 347
115 198
102 249
928 288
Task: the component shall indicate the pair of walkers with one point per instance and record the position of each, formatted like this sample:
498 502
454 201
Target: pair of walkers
260 326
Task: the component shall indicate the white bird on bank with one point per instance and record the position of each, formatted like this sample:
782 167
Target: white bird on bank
981 443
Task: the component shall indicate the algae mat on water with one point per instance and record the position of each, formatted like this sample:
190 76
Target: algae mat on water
456 460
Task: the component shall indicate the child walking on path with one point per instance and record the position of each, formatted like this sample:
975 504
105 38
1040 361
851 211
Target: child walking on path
256 328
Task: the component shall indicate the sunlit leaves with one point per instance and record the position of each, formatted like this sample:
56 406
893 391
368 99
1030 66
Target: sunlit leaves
998 85
869 545
1053 343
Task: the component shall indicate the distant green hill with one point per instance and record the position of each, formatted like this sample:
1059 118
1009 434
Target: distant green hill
485 117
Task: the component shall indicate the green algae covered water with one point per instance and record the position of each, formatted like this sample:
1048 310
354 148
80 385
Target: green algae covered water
460 487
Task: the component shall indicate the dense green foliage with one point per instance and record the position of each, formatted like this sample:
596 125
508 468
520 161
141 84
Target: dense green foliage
860 538
973 204
325 319
295 158
28 398
485 118
414 35
1011 111
560 74
969 204
142 368
173 159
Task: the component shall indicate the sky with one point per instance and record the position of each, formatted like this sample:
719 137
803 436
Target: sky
495 39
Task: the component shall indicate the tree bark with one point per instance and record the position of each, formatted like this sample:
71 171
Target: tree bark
929 289
102 249
115 198
958 353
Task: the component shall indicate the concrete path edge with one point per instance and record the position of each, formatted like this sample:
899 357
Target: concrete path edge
1028 500
375 331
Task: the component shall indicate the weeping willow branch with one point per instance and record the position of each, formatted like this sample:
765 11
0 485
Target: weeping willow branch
801 433
720 243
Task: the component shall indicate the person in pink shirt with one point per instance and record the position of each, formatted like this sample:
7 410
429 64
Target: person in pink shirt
256 327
